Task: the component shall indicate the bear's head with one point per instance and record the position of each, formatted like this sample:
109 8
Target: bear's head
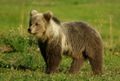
39 22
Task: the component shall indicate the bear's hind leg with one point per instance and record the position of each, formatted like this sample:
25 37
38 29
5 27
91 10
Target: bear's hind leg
76 65
96 64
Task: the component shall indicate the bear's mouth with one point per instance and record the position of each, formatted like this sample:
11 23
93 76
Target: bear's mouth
34 33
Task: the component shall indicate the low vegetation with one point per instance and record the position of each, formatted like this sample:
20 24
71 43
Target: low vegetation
21 61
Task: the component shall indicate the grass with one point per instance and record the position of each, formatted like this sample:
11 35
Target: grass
19 60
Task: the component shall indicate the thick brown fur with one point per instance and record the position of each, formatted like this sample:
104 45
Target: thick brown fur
76 39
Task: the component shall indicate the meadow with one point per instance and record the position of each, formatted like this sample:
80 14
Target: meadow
19 58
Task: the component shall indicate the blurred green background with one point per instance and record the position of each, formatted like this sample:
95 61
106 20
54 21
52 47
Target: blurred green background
18 47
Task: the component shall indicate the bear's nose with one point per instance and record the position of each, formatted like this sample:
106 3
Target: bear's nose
29 29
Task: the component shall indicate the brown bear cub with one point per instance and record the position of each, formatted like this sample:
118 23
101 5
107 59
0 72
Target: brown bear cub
76 39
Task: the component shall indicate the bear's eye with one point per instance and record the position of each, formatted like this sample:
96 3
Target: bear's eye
36 24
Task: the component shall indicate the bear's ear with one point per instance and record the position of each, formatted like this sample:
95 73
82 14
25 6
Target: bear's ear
33 12
48 15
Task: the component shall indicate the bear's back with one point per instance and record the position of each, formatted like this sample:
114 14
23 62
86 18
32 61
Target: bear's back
79 30
79 35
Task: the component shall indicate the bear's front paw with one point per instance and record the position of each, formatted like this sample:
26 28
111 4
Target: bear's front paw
49 71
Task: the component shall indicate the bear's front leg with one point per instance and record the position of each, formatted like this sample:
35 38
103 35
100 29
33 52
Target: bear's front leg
53 63
53 57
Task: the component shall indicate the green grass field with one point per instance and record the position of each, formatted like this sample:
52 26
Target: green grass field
19 60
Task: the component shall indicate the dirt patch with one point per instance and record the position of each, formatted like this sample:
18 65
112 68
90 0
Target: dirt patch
4 49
